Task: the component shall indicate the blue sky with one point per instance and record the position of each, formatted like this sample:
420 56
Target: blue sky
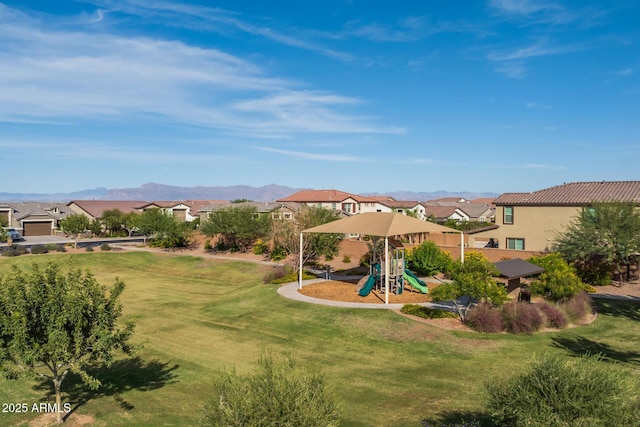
362 96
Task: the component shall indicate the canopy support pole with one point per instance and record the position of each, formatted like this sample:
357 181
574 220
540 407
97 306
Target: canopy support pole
300 270
386 270
461 247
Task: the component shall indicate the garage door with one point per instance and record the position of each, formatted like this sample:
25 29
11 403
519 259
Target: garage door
37 228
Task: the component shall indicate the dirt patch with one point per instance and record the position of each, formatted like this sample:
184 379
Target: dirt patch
347 292
74 420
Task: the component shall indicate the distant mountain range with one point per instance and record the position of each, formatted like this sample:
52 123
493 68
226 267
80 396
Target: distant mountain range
153 191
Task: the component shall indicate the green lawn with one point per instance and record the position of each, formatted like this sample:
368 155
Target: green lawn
201 316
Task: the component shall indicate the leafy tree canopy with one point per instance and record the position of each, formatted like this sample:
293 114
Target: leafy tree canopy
53 322
238 226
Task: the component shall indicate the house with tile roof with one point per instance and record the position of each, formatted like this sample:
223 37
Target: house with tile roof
34 218
532 221
93 209
334 199
277 210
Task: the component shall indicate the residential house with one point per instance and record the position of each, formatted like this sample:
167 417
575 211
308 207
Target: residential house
406 207
480 210
277 210
334 199
532 221
442 214
93 209
34 218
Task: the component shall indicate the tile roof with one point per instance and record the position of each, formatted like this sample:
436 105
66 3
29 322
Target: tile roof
440 212
324 196
95 208
406 204
576 193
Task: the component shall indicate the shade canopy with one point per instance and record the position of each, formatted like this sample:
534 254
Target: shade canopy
516 268
384 224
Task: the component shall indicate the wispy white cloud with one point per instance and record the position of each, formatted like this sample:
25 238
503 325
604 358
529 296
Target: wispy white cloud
218 20
533 166
312 156
65 75
408 29
538 11
512 69
537 105
623 73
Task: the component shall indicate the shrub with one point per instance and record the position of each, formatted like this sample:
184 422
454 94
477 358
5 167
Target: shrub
552 313
207 245
521 318
277 273
559 281
89 248
278 253
277 394
427 312
578 307
9 251
428 259
60 248
485 318
346 259
105 247
39 249
558 391
260 247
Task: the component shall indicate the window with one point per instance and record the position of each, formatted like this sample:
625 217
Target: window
515 243
333 205
508 215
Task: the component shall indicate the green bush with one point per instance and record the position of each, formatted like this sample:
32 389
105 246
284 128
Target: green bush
278 253
346 259
105 247
89 249
427 312
207 245
277 394
559 281
428 259
556 391
260 247
39 249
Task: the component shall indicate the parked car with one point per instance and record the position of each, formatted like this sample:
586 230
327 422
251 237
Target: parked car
12 234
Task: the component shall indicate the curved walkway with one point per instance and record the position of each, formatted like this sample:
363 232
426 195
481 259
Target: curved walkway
290 291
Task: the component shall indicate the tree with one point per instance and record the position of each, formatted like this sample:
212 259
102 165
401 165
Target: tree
162 227
278 394
428 259
605 234
53 323
473 282
238 226
286 234
112 219
74 225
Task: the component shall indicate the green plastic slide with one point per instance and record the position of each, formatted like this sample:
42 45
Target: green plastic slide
366 289
415 283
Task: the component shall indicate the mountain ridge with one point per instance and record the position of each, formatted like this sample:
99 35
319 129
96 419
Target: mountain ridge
154 191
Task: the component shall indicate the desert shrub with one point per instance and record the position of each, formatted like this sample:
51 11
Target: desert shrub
485 318
105 247
559 281
277 273
427 312
428 259
346 259
555 318
39 249
60 248
260 247
578 307
207 245
521 318
9 252
277 394
278 253
89 248
557 391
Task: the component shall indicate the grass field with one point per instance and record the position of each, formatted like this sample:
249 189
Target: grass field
200 316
